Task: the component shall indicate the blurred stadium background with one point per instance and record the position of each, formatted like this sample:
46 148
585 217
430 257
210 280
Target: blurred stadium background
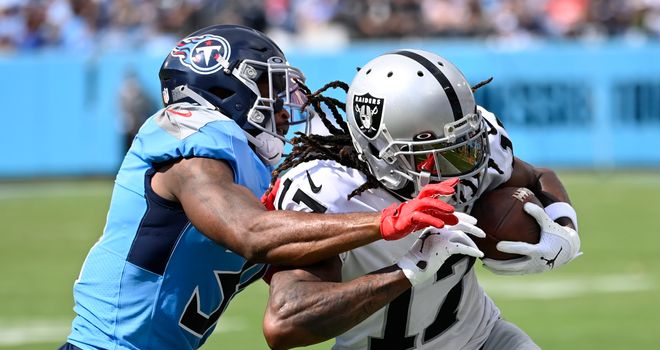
576 82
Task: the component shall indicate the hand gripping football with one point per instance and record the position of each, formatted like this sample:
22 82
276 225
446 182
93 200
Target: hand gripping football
501 216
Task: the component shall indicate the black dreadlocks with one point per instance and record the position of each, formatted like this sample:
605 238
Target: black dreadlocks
481 84
338 146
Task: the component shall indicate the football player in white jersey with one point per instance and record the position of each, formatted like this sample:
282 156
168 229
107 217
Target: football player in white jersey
412 120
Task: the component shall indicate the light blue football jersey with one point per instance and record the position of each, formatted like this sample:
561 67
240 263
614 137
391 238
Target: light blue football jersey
153 281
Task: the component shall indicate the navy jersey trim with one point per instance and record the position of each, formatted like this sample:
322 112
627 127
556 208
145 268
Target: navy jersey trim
441 78
161 227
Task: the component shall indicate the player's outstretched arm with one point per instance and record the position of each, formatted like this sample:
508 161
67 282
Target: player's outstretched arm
232 216
310 305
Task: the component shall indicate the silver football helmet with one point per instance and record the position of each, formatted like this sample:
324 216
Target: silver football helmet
413 119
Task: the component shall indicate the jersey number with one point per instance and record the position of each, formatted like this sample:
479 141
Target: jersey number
394 336
395 325
310 202
197 322
301 197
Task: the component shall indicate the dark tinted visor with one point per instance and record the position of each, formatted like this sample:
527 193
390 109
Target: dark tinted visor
453 162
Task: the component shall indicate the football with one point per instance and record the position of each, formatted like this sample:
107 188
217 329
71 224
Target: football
501 215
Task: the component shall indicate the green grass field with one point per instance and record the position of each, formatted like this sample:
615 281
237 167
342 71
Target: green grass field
607 299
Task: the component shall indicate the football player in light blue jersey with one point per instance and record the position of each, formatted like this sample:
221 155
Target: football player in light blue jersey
185 230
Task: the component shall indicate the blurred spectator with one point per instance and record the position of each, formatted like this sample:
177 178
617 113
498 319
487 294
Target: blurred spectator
12 23
648 16
451 18
35 32
567 17
77 32
315 26
105 24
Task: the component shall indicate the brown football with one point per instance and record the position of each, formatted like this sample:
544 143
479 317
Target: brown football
501 215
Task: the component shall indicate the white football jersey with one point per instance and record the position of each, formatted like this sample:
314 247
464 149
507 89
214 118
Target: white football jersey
450 311
500 161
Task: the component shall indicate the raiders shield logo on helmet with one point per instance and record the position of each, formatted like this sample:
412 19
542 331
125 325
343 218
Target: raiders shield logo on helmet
368 112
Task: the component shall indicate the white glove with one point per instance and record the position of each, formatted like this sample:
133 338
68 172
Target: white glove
557 246
435 245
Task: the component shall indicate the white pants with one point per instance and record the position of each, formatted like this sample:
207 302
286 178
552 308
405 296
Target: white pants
507 336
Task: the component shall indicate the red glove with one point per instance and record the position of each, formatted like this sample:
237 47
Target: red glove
268 200
398 220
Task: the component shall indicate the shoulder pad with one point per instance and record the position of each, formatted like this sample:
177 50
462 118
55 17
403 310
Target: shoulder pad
184 119
318 186
500 163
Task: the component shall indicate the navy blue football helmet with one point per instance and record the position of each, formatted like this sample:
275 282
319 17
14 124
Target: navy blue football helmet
226 65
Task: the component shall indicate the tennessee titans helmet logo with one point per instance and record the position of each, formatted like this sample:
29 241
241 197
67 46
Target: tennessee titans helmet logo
205 54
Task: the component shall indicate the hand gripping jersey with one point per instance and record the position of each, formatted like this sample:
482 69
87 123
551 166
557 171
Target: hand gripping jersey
450 311
153 281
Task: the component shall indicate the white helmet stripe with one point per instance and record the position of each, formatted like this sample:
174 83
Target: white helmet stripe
441 78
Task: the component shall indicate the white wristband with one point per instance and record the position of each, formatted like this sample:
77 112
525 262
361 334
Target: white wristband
562 209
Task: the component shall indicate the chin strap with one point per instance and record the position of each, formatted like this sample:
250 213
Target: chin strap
183 91
268 147
423 179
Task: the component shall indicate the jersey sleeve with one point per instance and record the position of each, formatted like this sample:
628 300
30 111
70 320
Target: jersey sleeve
321 187
184 131
500 162
187 131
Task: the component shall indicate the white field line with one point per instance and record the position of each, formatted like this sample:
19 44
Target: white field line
520 287
56 331
53 190
33 332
